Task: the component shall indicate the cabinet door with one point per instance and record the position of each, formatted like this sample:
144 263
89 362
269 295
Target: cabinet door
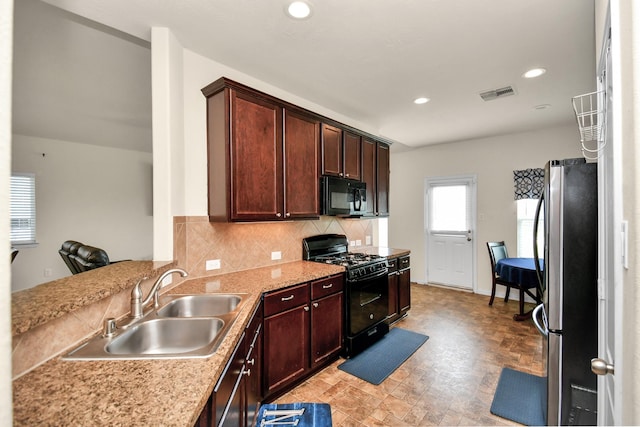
404 290
253 368
286 348
331 150
369 174
256 158
382 181
393 297
352 155
326 327
302 163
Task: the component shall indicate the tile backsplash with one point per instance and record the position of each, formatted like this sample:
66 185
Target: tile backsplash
241 246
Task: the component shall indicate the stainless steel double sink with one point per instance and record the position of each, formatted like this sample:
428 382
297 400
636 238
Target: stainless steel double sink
183 326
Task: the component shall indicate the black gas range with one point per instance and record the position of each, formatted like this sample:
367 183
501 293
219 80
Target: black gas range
366 290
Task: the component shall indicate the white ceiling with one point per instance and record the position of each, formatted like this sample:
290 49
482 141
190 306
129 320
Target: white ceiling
368 59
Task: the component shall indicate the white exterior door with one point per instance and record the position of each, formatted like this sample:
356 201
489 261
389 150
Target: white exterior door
450 230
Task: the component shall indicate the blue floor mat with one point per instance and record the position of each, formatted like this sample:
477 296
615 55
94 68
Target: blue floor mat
306 415
521 397
380 360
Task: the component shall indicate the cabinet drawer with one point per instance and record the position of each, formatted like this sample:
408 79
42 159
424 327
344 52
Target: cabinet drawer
327 286
392 264
285 299
403 262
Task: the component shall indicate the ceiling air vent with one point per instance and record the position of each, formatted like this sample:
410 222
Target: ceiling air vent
497 93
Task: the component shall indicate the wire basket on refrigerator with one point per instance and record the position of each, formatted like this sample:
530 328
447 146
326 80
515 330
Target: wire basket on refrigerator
590 114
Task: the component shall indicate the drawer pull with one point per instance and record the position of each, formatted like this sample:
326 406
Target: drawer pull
289 298
306 308
251 361
247 372
315 304
329 286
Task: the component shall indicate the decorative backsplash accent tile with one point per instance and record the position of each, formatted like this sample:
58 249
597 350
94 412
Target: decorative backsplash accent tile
241 246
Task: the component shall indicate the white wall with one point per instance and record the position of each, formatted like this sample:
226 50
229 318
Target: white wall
6 45
493 160
97 195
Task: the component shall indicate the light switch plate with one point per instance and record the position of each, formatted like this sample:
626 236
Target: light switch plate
276 255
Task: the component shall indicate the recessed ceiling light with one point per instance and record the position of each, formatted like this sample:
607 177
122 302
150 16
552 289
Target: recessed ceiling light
299 10
421 100
534 72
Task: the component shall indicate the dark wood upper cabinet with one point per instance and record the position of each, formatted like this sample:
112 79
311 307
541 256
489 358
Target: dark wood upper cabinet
263 160
369 174
266 156
331 150
257 191
341 153
302 163
351 156
382 180
375 173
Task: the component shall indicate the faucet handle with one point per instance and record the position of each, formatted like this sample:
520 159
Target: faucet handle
109 327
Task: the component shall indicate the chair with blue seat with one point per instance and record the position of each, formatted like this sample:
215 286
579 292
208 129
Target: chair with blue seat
498 251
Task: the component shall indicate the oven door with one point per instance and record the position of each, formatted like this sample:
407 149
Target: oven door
367 302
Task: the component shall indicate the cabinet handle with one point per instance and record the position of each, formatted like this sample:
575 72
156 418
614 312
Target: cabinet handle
247 372
278 215
289 298
288 214
306 308
251 361
315 304
329 286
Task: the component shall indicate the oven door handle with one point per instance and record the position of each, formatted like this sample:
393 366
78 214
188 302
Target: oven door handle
374 276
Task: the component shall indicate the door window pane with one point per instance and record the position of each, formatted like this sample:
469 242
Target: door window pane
449 208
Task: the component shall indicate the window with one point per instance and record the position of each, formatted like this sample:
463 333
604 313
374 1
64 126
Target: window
23 209
526 213
449 208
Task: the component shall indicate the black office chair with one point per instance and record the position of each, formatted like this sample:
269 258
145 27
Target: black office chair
80 257
498 251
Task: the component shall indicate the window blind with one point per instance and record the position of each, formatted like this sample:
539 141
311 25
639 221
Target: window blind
23 208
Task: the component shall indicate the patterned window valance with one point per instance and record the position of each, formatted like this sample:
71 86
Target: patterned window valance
528 183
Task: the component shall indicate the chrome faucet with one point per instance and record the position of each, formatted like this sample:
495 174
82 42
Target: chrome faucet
138 304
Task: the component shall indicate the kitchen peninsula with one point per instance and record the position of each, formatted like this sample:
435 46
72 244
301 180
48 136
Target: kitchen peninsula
147 392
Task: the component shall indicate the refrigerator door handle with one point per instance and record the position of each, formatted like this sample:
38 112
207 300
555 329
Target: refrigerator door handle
536 316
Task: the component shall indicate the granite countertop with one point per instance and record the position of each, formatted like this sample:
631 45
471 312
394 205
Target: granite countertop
169 392
382 251
36 306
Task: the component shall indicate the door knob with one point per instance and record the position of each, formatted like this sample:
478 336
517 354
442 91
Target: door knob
601 367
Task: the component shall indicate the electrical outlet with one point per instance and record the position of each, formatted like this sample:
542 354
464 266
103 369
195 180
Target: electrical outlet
47 272
276 255
358 242
352 243
212 264
367 240
167 280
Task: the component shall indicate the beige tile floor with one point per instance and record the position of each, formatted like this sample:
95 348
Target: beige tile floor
450 380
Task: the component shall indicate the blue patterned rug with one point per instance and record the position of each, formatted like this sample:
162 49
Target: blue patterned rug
521 397
298 414
380 360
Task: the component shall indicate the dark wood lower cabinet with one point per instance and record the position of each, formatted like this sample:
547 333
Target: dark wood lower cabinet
303 338
292 333
399 287
286 347
237 395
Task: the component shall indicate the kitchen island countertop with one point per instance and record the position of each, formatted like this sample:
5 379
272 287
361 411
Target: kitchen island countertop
169 392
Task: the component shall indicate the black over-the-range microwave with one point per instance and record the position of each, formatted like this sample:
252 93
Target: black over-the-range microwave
343 197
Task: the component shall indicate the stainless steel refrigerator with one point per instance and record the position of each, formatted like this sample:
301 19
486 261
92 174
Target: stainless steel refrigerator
568 316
